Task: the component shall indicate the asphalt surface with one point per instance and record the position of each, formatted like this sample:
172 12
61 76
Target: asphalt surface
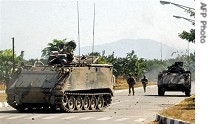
138 109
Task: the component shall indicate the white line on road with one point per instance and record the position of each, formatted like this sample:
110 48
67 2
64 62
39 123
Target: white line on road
69 117
15 117
4 116
104 118
140 119
122 119
120 102
51 117
86 118
34 116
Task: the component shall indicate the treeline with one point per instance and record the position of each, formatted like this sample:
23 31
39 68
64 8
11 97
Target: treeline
131 63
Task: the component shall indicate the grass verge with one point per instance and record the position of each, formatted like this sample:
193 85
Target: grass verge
2 95
185 111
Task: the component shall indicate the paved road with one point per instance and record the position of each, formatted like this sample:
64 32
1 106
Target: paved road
138 109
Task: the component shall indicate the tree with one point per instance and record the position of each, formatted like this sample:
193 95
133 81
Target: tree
189 36
6 63
52 46
130 64
94 54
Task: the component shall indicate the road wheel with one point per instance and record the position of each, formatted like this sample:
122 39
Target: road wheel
187 92
161 92
100 102
71 103
65 100
86 103
79 103
93 103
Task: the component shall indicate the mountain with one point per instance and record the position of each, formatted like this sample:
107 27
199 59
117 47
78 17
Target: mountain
144 48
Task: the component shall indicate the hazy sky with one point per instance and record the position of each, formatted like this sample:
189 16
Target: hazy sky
35 23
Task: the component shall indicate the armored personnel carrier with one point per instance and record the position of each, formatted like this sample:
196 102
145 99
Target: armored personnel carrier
174 79
67 83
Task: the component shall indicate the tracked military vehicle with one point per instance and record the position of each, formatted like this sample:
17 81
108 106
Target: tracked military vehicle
67 83
174 79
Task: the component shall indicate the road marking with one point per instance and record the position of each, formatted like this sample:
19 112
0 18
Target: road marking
4 116
52 116
104 118
86 118
140 119
15 117
34 116
120 102
122 119
69 117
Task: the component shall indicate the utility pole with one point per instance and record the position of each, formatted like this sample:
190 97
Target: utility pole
188 58
13 55
161 52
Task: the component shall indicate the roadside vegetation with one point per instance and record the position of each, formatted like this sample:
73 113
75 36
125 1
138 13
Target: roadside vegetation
185 111
2 95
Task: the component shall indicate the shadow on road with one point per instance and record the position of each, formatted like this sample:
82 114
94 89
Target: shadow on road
168 95
31 112
9 111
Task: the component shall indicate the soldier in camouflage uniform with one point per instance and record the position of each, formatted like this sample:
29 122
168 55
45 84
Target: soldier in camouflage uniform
144 82
131 82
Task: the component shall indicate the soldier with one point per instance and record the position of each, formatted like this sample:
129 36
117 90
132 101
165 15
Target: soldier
131 81
144 82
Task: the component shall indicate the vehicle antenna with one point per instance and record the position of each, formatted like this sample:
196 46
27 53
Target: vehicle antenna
93 32
78 30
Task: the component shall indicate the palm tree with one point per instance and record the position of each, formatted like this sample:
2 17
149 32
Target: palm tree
55 45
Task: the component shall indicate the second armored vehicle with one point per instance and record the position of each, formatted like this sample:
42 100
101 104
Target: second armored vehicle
174 79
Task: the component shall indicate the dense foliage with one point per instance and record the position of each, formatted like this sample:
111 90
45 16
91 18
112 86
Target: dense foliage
6 63
139 66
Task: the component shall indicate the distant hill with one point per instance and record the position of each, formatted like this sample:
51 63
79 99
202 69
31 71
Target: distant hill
144 48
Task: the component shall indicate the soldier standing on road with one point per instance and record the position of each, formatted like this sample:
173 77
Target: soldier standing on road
144 82
131 82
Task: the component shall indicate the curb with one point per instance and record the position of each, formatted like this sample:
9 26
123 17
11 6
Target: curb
4 104
166 120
